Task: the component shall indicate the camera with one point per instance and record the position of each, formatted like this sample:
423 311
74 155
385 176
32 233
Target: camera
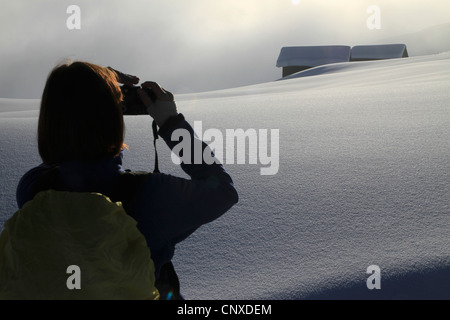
132 103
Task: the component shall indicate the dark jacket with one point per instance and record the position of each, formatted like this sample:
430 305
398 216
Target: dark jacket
167 208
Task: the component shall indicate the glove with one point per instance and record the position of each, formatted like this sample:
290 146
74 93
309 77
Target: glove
161 111
163 107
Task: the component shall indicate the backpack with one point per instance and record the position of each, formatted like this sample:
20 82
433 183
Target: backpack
72 245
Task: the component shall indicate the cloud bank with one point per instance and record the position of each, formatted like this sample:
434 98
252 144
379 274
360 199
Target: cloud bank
189 46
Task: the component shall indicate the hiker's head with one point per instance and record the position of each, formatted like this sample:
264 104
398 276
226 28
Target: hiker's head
81 115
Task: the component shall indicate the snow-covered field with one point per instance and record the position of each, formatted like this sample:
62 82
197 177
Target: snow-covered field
364 179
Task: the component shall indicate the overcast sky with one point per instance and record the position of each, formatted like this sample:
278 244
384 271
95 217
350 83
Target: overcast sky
189 45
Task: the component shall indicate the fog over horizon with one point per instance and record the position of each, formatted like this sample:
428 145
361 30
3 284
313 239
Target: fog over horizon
196 45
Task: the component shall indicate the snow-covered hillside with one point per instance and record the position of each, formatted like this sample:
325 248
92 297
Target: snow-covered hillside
363 180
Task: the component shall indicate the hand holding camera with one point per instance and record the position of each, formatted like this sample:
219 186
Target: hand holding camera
150 98
159 103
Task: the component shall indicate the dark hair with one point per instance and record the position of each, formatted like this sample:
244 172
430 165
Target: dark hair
81 114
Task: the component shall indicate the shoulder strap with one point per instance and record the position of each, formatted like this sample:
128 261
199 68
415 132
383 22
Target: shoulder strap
155 137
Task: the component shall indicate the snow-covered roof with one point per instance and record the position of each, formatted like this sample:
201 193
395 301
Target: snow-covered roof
312 56
378 52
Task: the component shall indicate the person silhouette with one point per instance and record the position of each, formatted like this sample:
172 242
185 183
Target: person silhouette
81 132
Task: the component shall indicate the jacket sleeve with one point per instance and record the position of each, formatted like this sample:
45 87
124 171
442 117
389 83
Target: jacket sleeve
179 206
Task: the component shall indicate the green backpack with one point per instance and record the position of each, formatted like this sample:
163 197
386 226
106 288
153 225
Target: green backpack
70 245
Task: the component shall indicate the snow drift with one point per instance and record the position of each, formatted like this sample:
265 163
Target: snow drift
363 180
